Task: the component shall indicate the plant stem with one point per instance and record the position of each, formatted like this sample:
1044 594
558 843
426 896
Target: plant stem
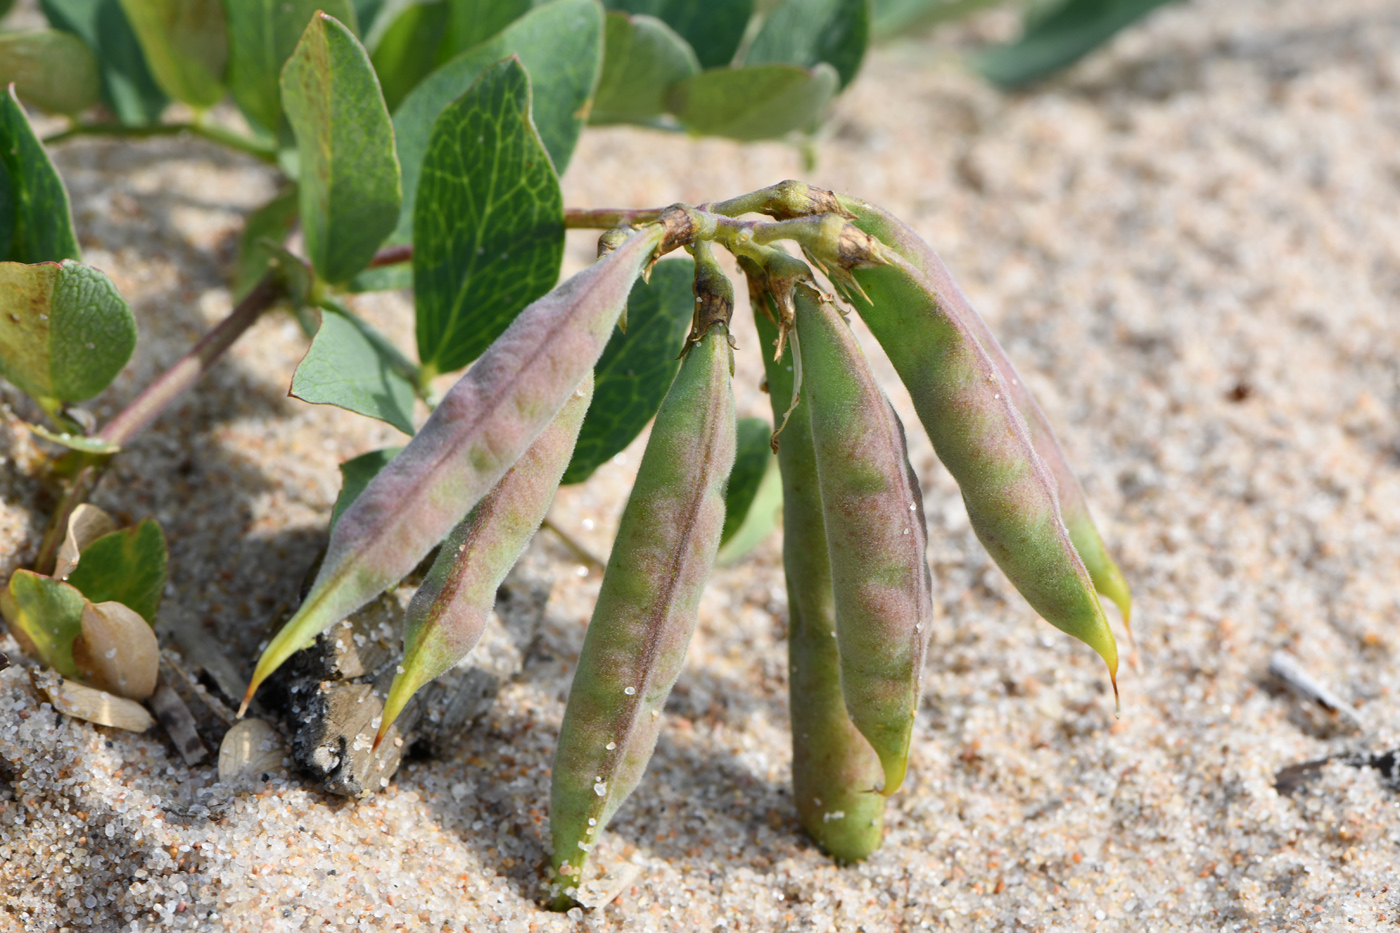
575 218
574 545
154 399
264 151
605 218
392 255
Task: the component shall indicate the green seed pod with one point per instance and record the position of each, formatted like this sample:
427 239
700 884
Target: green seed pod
965 405
834 769
482 426
449 612
1074 508
646 609
875 531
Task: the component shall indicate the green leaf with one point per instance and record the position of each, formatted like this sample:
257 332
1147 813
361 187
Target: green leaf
186 46
643 59
46 613
349 179
763 513
126 566
383 278
366 12
50 69
636 367
87 444
261 37
561 46
758 102
472 22
713 29
406 50
751 459
5 6
127 85
805 32
489 229
65 332
350 367
1059 36
35 223
355 475
268 224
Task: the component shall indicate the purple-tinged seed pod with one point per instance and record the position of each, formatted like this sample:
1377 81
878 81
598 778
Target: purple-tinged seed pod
647 606
834 769
482 426
875 531
1074 508
449 612
965 405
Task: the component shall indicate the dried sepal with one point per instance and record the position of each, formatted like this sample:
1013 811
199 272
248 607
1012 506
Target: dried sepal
86 524
250 752
90 704
117 650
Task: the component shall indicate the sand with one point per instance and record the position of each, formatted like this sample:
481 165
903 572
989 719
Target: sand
1190 246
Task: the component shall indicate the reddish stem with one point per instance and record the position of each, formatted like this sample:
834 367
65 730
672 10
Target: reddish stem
154 399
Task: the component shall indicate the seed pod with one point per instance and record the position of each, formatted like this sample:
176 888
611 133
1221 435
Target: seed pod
449 612
1074 508
834 769
965 405
482 426
646 609
875 533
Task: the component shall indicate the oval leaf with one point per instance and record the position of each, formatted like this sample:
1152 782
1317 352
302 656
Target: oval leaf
127 566
261 37
35 222
561 46
65 333
45 615
349 179
186 45
806 32
405 51
713 29
760 102
489 229
1059 37
643 59
348 368
50 69
472 22
637 366
127 85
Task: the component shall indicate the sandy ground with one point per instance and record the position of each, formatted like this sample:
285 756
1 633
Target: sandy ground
1191 248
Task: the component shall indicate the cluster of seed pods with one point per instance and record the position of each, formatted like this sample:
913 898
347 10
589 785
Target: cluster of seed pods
481 473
